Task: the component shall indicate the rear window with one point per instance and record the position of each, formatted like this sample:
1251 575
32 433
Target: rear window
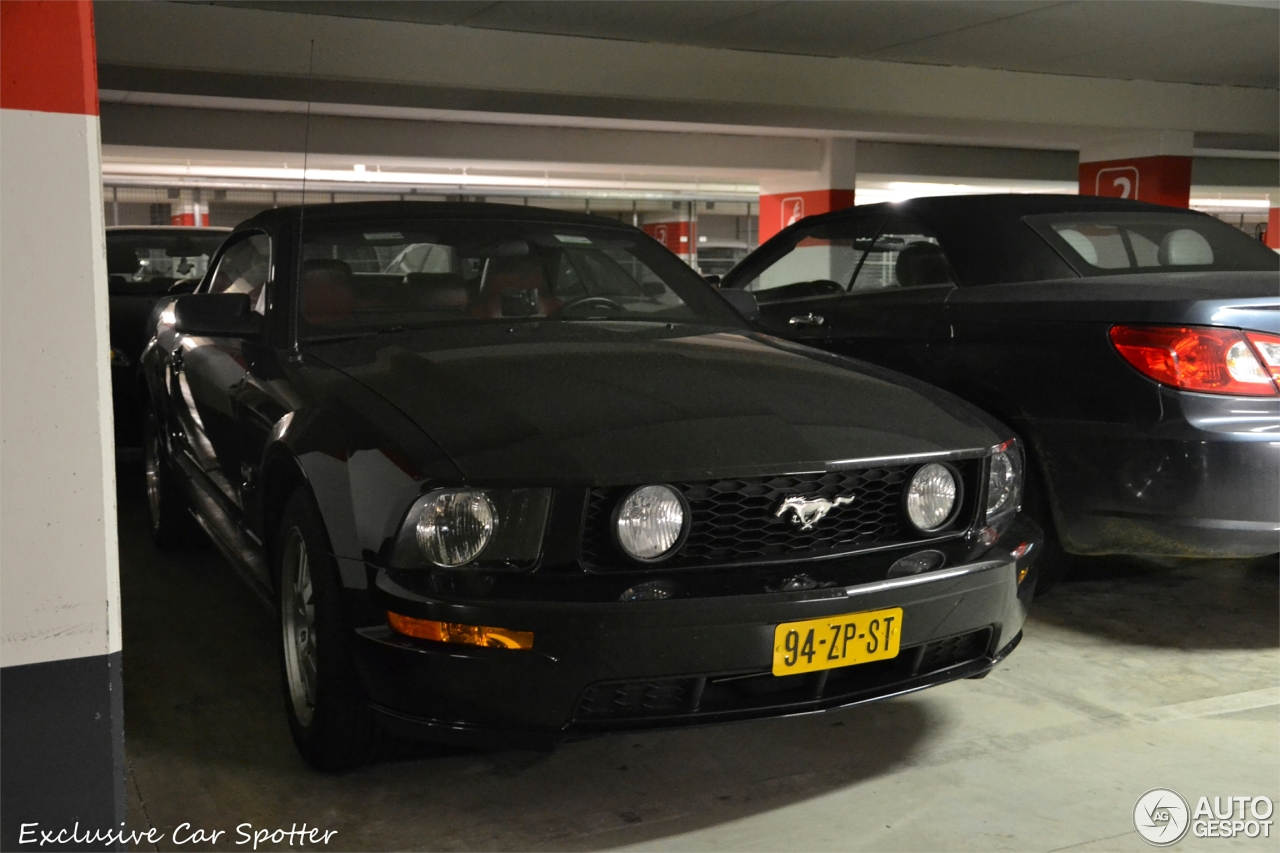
1110 243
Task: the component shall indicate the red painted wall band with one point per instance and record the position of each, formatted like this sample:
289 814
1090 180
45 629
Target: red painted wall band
670 234
48 57
779 210
1160 180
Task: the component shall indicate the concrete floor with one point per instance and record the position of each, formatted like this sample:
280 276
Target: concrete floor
1130 678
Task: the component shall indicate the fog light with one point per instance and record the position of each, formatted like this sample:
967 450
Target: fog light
650 523
932 497
455 632
649 591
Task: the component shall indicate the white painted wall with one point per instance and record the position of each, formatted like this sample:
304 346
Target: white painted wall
59 573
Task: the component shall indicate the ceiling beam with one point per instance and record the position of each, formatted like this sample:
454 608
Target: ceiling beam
238 52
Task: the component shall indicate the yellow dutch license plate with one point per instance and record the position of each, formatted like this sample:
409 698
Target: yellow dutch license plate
835 641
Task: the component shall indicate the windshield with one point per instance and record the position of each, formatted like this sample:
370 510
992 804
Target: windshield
368 277
1110 243
150 261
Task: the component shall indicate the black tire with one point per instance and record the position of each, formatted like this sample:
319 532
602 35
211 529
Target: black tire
328 711
172 527
1054 563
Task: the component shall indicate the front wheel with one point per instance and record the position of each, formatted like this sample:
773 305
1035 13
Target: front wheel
1053 563
329 715
172 527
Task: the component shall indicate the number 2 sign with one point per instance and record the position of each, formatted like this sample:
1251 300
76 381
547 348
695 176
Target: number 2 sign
1165 179
1117 182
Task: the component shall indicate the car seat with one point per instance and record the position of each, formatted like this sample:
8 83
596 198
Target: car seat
922 264
1184 248
521 281
437 291
326 291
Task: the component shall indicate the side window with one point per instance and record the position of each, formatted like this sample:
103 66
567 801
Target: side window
821 261
905 254
244 268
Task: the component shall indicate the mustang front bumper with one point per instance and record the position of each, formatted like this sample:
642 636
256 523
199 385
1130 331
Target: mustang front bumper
640 664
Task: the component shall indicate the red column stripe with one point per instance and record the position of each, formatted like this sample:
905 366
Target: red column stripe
48 57
1163 179
779 210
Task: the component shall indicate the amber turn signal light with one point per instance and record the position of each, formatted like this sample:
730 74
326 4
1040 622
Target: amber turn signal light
455 632
1018 553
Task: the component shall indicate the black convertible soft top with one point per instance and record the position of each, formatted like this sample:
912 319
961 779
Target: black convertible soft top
988 241
383 210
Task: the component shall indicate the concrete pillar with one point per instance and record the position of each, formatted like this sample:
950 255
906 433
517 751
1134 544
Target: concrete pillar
677 230
786 200
1153 167
1272 238
189 210
61 722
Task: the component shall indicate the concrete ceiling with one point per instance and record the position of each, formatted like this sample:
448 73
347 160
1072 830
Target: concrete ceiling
1222 43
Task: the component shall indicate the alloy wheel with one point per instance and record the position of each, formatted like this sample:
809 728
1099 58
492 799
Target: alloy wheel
298 623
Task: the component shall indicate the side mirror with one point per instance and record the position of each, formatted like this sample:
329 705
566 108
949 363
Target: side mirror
744 302
216 315
713 280
653 289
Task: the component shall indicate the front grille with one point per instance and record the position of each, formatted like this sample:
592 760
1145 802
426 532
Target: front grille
735 520
944 653
636 699
761 693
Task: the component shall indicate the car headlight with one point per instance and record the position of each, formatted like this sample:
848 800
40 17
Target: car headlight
932 497
455 526
650 523
474 528
1004 479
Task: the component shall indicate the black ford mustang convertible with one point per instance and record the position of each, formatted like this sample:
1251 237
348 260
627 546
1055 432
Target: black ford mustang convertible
514 475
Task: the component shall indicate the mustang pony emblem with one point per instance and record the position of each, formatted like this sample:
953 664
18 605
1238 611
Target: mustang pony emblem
809 511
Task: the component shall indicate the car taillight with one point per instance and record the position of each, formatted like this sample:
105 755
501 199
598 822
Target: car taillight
1268 349
1199 358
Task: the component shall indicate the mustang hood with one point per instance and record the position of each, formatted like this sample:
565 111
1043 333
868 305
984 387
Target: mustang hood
605 403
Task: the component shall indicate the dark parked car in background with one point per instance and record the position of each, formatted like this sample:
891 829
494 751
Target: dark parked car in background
143 265
1135 348
512 474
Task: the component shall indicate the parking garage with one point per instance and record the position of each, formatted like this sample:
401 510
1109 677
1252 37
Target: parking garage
142 685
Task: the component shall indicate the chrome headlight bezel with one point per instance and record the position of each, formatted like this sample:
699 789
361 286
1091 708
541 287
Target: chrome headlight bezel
512 542
1006 456
619 538
957 500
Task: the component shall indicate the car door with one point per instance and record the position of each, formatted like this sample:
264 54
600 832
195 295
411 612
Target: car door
895 313
800 283
206 373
